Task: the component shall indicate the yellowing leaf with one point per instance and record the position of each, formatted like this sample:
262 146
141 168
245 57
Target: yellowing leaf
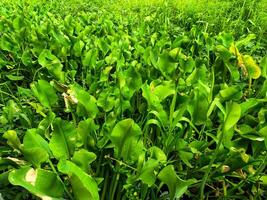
240 60
254 71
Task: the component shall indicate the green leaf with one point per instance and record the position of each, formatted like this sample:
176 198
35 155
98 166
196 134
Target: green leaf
165 65
223 52
89 59
188 65
83 185
39 182
233 92
63 140
248 106
263 179
36 156
263 132
233 113
86 103
18 23
11 110
177 186
84 131
15 78
247 132
78 47
52 63
12 139
7 43
165 89
26 57
106 100
133 80
147 174
245 41
157 154
226 39
35 148
263 65
45 93
200 106
43 126
83 159
126 136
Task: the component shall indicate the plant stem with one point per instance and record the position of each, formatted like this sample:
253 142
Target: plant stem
206 175
105 185
114 188
58 177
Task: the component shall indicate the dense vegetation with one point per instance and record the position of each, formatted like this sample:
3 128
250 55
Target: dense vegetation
133 99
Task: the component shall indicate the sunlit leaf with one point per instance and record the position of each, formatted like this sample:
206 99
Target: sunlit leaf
177 186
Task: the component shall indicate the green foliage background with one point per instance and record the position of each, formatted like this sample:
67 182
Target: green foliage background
133 99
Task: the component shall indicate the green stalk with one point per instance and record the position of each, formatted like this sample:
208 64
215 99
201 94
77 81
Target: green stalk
105 185
58 177
117 177
206 175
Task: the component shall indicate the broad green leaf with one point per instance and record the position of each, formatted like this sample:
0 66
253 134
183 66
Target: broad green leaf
177 186
45 93
11 110
231 93
83 185
226 39
63 140
263 133
52 63
36 156
18 23
248 132
184 152
78 47
198 74
83 159
84 131
6 43
166 65
35 148
26 57
223 52
106 100
12 139
248 106
39 182
32 139
177 55
4 179
263 179
133 80
245 41
147 173
165 89
89 59
188 65
86 103
126 136
233 113
200 105
157 154
154 102
263 65
43 126
103 45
